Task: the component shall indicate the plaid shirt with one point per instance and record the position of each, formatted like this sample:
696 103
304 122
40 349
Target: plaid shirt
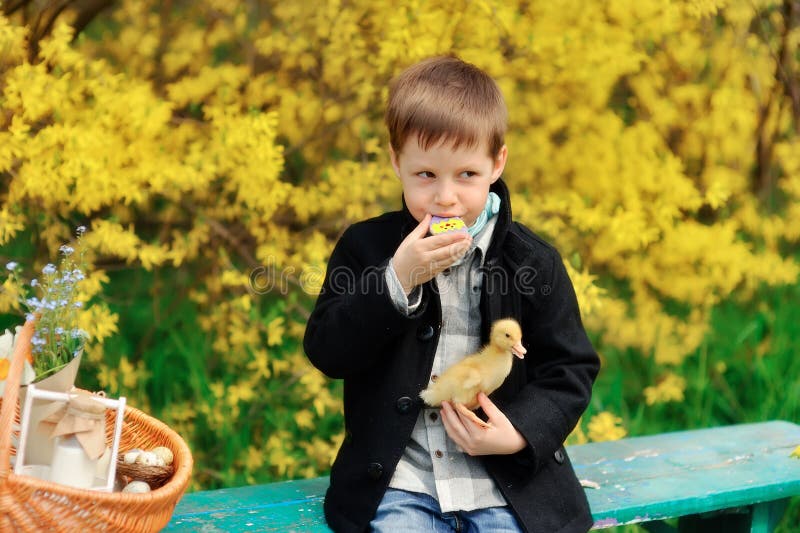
432 463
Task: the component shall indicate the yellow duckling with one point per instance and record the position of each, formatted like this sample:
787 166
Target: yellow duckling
483 371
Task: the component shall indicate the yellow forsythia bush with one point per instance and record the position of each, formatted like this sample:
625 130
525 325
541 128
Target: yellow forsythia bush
236 141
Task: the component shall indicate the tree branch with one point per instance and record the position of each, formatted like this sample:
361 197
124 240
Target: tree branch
791 83
88 11
11 7
784 83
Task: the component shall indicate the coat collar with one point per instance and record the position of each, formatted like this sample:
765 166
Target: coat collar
500 230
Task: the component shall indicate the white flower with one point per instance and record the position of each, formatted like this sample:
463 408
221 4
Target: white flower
7 343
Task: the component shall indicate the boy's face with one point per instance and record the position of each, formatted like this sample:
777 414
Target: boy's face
446 182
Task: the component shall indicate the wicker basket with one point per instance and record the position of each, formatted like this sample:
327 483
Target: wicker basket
31 504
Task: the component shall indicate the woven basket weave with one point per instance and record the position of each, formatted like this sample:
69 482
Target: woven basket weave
32 504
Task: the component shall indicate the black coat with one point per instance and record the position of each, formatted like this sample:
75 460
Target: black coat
385 359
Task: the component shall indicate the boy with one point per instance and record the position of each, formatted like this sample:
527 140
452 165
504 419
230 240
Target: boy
397 308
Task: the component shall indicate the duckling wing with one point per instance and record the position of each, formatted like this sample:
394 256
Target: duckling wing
472 378
468 388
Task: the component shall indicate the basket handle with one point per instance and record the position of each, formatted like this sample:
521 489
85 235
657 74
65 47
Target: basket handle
21 352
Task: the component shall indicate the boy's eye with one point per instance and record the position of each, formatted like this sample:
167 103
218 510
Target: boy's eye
468 174
425 174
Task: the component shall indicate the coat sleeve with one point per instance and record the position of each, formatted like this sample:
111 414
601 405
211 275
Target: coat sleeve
354 321
563 366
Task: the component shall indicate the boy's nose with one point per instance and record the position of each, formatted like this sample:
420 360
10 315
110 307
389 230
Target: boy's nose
445 194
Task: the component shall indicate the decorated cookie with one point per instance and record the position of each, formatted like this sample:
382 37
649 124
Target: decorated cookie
441 225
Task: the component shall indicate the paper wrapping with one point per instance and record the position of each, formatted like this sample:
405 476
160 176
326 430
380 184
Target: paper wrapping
84 417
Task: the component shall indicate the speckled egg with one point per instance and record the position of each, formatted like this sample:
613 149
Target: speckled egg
147 459
131 455
164 453
136 487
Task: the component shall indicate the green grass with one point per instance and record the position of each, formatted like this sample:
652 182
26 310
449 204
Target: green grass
752 347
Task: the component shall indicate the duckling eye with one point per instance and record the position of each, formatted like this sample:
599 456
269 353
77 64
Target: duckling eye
507 335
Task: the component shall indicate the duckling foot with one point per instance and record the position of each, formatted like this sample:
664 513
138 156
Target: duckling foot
472 416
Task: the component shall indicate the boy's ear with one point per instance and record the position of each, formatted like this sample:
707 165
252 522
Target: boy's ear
395 162
499 163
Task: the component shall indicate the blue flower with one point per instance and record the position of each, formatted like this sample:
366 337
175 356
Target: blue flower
52 303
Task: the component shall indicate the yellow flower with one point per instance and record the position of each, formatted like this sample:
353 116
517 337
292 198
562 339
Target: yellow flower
254 459
304 419
670 388
275 331
605 426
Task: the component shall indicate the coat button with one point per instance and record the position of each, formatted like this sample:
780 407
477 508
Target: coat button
404 404
375 470
425 333
559 456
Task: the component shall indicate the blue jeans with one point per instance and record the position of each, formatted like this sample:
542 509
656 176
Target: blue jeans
402 511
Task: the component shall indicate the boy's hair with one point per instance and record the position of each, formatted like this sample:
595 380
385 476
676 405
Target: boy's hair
446 99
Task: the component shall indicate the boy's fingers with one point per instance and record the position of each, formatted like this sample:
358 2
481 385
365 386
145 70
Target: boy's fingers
422 228
441 243
489 407
454 421
448 255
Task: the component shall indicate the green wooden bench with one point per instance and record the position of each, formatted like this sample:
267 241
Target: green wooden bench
729 479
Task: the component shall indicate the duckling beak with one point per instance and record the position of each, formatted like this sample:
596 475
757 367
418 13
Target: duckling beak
519 350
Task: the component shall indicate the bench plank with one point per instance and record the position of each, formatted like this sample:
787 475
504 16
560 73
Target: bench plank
285 506
640 478
689 472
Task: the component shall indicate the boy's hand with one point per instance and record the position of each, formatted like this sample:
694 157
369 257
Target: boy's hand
418 259
501 439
